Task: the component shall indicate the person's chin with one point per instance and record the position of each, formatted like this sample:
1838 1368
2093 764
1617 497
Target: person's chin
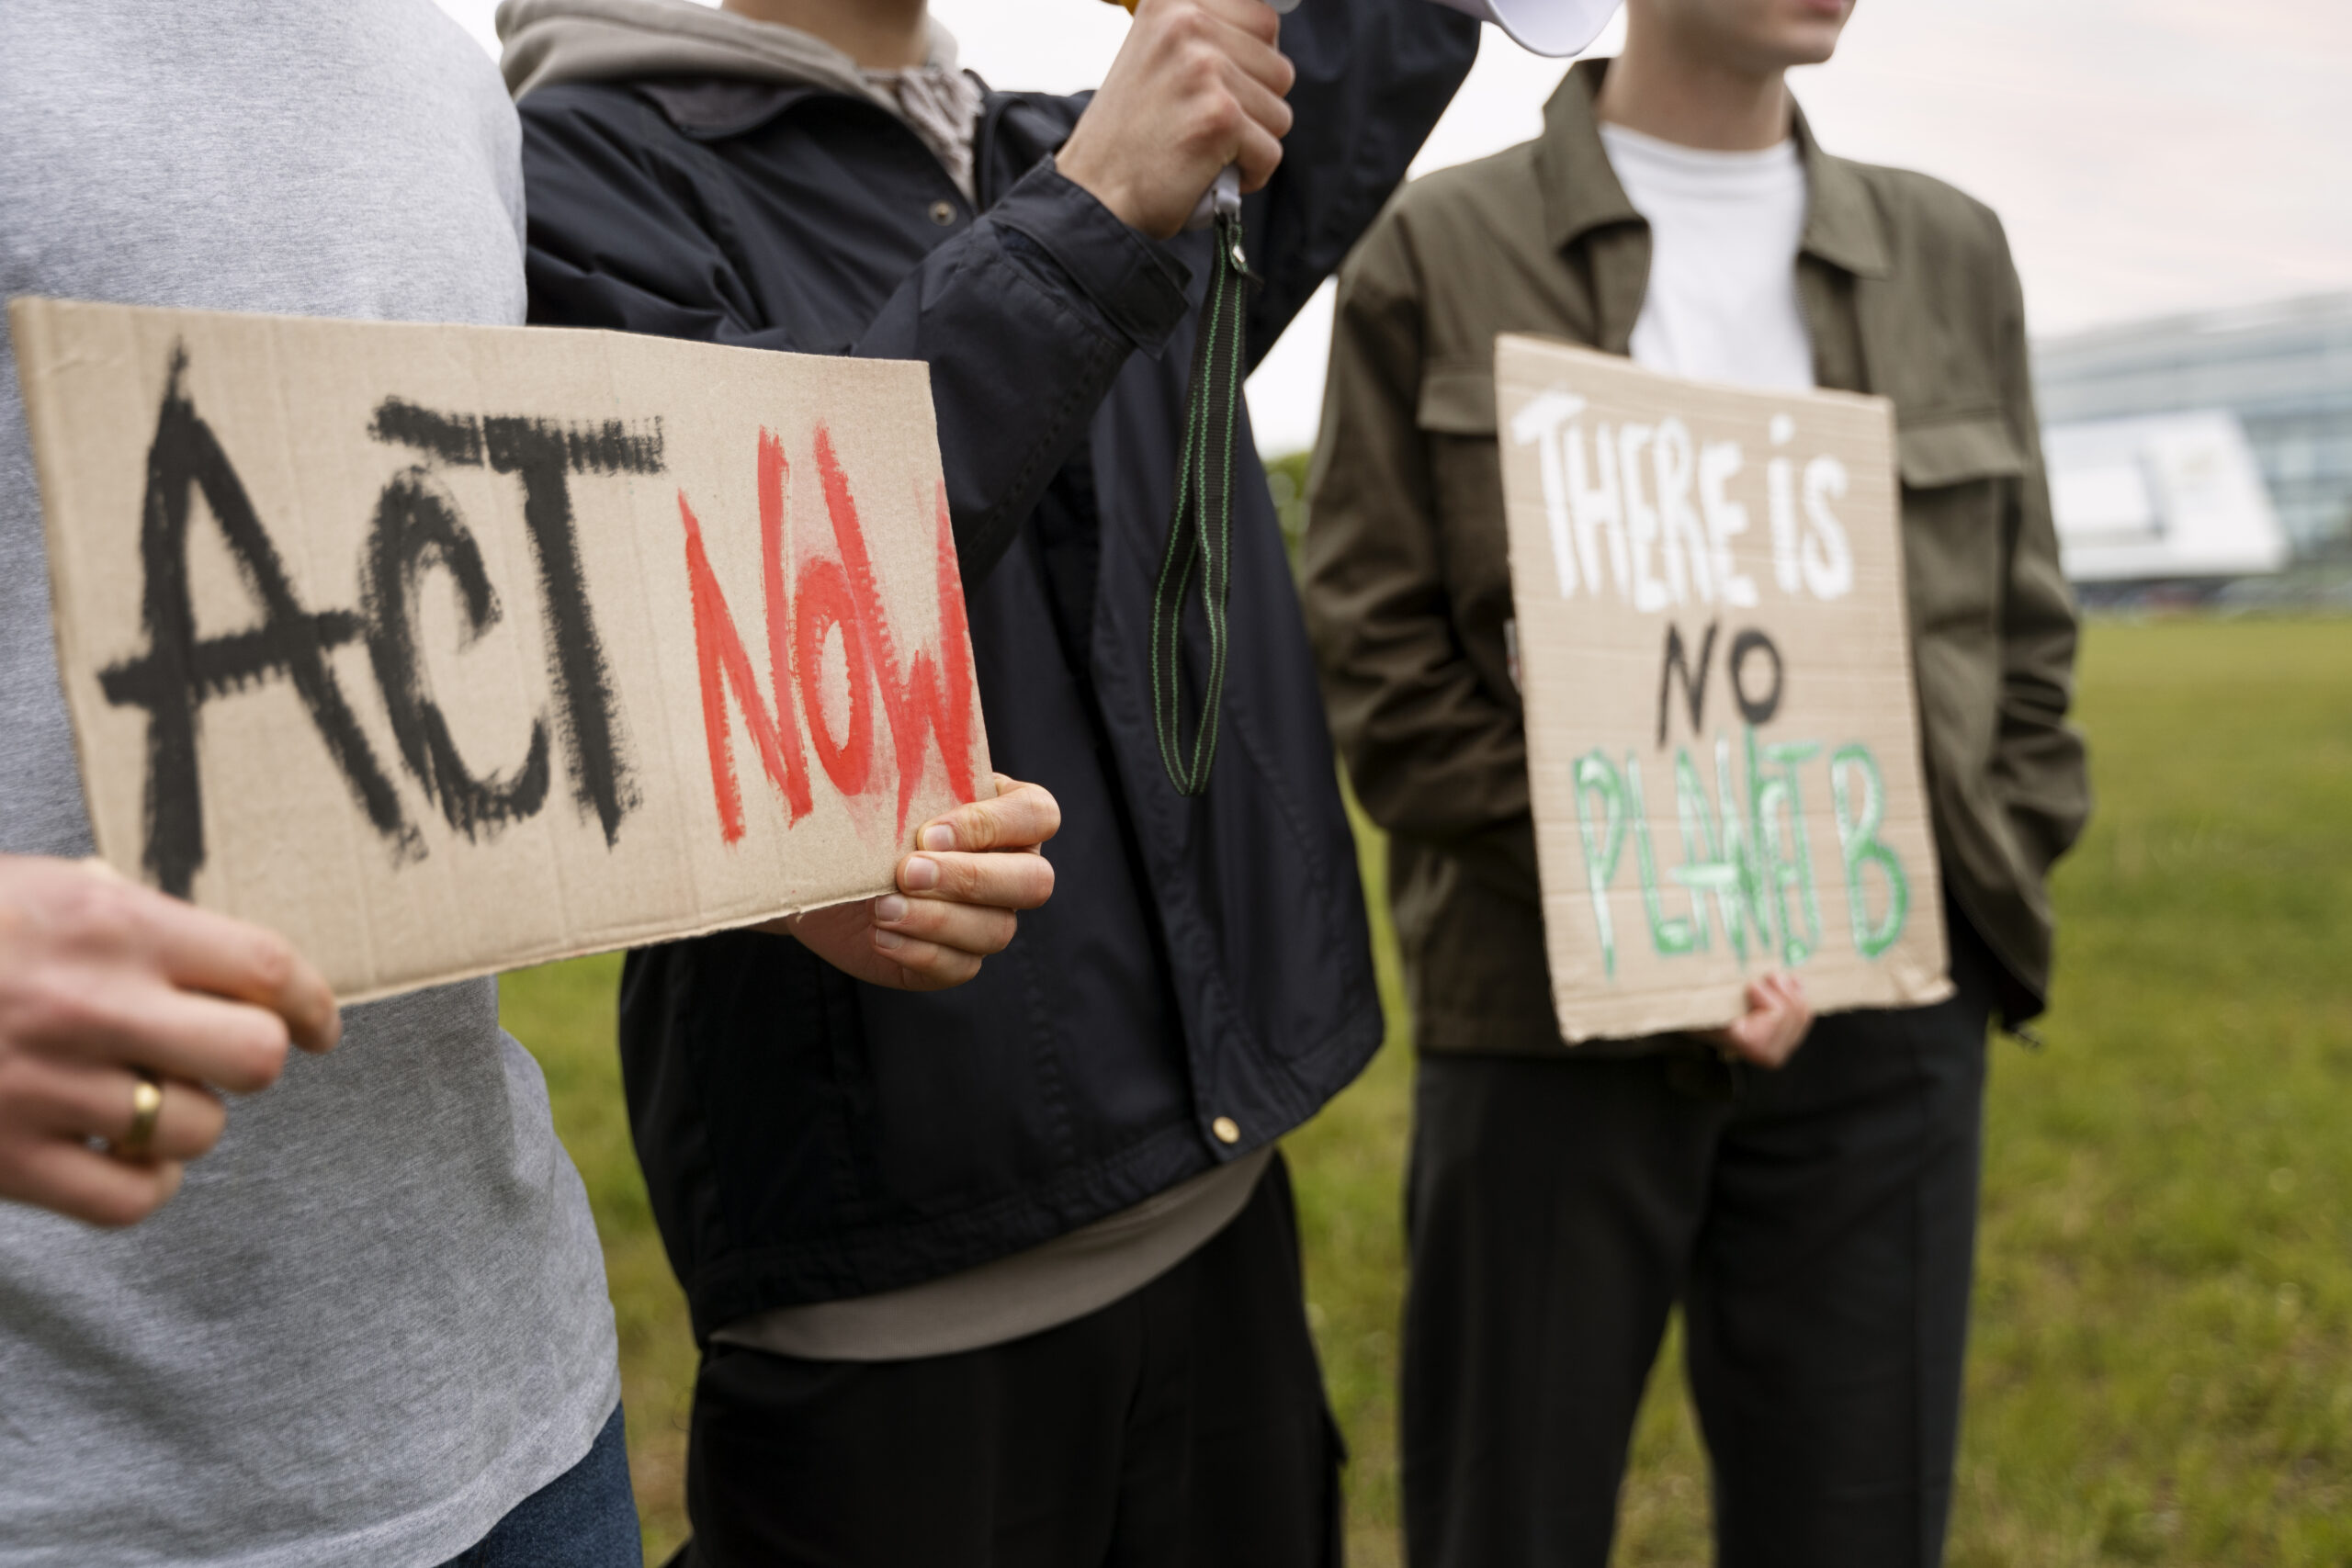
1811 43
1811 35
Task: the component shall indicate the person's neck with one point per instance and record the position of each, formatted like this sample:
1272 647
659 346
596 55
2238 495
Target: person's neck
1662 89
881 35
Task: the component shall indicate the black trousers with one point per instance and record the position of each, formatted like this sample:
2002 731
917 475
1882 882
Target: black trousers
1818 1224
1181 1426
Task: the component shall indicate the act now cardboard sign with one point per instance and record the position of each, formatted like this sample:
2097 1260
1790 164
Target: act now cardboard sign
1722 733
443 649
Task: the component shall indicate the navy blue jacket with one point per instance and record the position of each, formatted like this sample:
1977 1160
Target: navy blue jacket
1203 963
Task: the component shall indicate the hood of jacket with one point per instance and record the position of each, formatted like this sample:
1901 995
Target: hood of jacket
548 41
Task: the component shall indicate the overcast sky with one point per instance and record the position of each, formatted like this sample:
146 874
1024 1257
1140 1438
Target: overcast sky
2148 156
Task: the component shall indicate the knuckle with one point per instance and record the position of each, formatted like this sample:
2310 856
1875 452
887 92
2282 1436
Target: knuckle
998 934
56 1007
96 914
963 880
1041 818
1203 67
270 962
1020 886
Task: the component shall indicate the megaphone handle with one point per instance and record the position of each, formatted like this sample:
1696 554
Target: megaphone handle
1219 199
1224 197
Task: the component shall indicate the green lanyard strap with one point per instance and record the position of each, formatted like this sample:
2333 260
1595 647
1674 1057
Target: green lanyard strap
1200 535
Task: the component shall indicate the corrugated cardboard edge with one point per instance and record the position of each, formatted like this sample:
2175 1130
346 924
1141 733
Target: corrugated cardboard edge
1942 988
622 943
1618 362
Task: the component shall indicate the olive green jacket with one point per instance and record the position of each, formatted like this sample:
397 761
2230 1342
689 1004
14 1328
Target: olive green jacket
1910 294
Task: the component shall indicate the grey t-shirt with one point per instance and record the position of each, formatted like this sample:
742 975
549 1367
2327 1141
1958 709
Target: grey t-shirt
375 1319
1043 1286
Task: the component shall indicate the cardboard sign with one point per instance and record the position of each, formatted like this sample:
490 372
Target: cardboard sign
443 649
1721 737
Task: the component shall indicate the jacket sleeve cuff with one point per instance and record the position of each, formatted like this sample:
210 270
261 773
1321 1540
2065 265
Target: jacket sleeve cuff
1138 285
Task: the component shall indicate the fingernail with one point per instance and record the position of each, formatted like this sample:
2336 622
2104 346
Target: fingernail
888 940
938 836
922 875
889 908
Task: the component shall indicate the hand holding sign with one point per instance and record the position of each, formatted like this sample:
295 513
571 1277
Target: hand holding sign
1777 1020
958 898
101 980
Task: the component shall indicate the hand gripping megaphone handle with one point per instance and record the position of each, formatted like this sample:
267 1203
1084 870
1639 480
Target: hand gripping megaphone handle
1222 196
1225 195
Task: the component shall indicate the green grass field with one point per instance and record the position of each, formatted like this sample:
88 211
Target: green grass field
2162 1367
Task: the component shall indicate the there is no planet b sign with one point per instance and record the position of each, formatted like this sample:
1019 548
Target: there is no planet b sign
1723 735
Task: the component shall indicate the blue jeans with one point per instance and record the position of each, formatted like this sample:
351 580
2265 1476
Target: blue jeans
586 1517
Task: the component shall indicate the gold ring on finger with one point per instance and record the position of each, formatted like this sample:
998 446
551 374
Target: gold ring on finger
146 1109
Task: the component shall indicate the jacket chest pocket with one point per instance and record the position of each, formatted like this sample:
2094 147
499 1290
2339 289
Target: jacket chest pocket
1455 411
1960 476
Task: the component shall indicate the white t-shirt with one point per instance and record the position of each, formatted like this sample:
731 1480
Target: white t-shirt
1725 228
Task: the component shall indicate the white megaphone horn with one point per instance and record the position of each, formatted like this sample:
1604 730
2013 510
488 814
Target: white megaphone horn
1556 28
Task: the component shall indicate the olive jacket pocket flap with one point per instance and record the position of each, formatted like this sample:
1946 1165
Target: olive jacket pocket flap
1952 451
1457 400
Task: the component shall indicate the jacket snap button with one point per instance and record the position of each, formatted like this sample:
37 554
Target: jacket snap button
943 213
1227 1129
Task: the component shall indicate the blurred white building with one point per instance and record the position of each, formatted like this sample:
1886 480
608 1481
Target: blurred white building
2201 448
2164 498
